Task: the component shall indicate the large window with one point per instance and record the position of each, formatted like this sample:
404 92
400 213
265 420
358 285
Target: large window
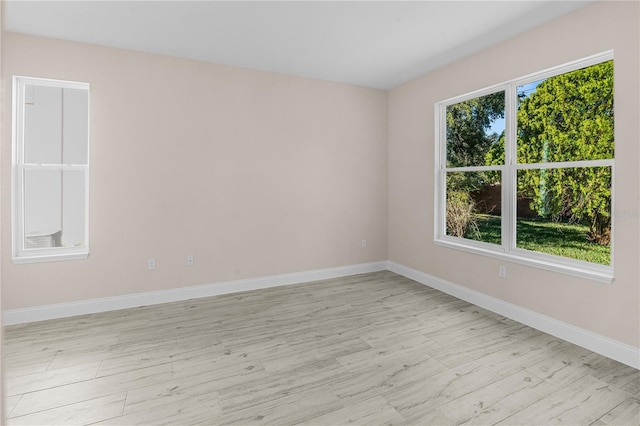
524 169
50 169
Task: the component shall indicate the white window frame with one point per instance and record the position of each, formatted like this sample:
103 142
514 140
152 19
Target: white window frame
508 250
18 168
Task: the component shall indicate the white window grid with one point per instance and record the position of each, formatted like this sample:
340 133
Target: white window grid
507 250
21 254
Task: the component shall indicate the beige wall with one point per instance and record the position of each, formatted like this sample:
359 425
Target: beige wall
610 310
253 173
258 174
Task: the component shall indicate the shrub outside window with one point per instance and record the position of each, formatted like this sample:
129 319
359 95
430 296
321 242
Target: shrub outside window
524 169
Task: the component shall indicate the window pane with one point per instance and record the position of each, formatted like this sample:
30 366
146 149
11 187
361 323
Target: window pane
568 117
56 125
42 208
475 131
43 125
73 205
54 209
565 212
474 206
75 143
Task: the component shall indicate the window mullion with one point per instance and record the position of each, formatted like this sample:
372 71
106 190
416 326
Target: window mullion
473 169
62 167
566 164
440 173
509 186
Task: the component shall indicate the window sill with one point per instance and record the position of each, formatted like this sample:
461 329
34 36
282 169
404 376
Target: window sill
49 257
593 272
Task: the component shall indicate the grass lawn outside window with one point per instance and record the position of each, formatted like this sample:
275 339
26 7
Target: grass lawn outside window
545 236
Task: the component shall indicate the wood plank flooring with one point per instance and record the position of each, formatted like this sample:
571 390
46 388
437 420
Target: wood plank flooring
368 349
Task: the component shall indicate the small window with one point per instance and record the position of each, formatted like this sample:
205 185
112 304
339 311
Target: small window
524 169
50 169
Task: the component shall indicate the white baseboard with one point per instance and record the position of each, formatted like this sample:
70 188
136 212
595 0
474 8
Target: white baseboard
602 345
61 310
597 343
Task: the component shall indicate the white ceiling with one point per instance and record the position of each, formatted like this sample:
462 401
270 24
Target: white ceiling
377 44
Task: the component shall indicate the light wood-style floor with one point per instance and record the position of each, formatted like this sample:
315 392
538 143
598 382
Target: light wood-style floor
368 349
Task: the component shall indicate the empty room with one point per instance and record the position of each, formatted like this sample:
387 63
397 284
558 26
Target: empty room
320 213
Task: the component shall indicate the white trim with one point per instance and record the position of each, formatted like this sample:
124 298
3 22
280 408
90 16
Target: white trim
62 310
589 271
474 169
58 255
19 167
534 76
565 68
48 82
597 343
605 162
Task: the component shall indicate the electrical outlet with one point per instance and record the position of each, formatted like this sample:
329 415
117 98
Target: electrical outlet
190 260
151 264
502 272
364 243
